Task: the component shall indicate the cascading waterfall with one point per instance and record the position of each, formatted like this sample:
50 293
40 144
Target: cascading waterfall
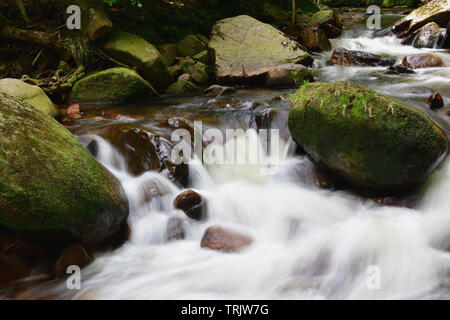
307 242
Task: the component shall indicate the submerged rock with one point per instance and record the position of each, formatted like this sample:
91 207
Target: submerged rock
191 203
51 187
134 51
246 49
31 94
437 11
116 85
426 61
175 229
366 138
399 69
218 238
344 57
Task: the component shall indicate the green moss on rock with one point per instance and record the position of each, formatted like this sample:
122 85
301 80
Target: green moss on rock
136 52
49 184
32 94
369 139
112 85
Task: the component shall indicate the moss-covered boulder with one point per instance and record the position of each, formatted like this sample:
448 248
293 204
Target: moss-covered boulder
190 45
31 94
245 49
136 52
434 11
183 88
99 24
328 21
369 139
112 85
50 186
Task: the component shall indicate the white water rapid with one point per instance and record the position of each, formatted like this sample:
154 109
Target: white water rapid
307 242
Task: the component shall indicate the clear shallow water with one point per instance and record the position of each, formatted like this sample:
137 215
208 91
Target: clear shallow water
307 242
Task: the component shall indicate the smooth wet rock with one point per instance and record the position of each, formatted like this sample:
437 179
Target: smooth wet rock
175 123
435 101
221 239
288 76
246 49
425 61
437 11
99 24
315 39
399 69
344 57
183 88
191 45
191 203
31 94
143 150
72 256
368 139
175 229
51 187
11 269
136 52
428 36
216 90
115 85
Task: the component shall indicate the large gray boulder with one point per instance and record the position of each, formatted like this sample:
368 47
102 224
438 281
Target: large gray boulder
246 49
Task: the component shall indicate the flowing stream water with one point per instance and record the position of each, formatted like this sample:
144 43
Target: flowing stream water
307 242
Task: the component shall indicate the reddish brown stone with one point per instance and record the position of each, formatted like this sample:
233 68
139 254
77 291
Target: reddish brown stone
111 114
73 112
435 101
218 238
416 62
191 203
